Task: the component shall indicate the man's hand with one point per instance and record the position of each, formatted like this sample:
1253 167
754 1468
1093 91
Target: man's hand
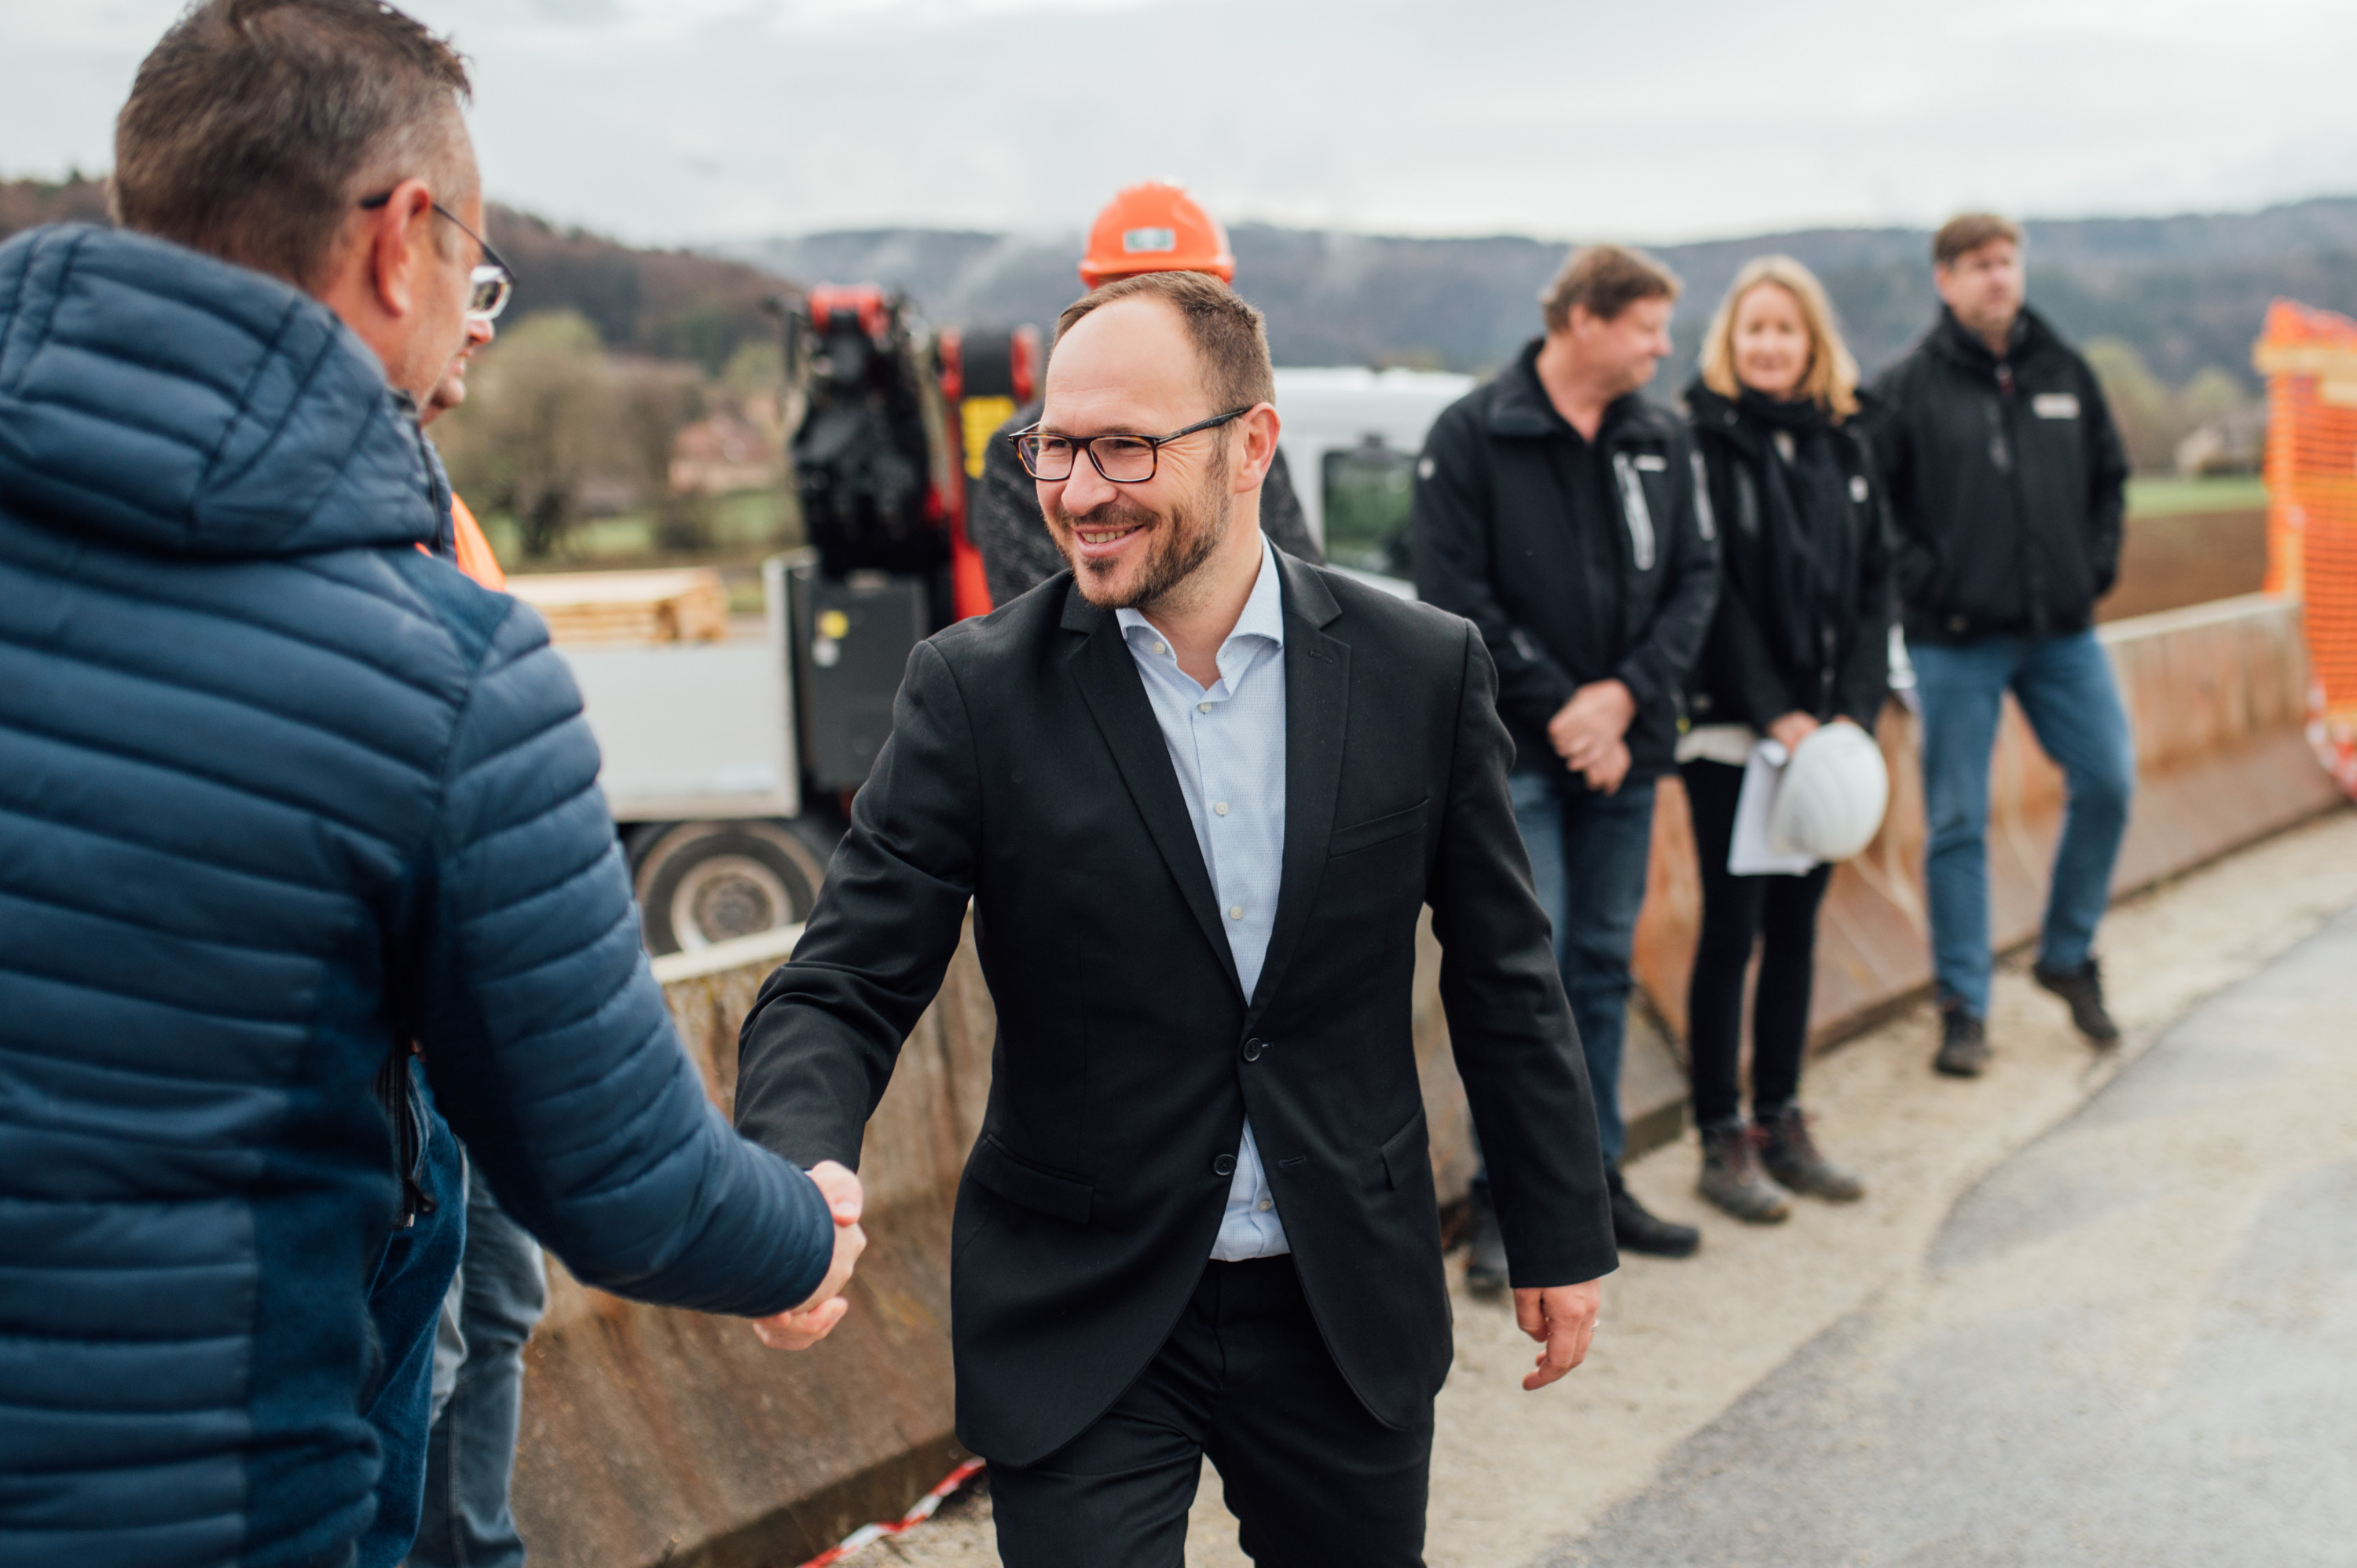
1562 1318
1605 774
1794 728
1587 727
811 1322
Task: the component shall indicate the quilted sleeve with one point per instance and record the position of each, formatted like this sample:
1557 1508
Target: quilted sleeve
547 1036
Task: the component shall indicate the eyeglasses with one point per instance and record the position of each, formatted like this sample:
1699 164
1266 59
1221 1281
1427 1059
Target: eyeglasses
493 281
1122 459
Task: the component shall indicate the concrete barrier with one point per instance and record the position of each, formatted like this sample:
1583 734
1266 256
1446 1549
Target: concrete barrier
654 1436
2216 698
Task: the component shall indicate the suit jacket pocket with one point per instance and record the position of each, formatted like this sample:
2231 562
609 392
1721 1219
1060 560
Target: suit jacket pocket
1407 1155
1025 1185
1378 829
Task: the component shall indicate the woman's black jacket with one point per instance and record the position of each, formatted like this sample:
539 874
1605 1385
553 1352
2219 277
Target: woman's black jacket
1743 676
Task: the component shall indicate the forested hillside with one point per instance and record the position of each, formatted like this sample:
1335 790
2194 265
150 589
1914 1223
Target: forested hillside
2185 293
669 305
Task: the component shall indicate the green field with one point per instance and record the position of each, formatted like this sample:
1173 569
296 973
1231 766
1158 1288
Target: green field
754 521
2169 497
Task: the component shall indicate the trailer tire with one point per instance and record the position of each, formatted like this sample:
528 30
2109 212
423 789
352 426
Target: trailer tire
701 883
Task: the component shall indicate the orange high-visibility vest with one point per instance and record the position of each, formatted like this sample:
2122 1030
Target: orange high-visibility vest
475 557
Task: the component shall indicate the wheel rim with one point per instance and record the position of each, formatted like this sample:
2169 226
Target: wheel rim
726 897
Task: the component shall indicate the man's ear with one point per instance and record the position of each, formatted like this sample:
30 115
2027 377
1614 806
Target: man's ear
1260 428
398 246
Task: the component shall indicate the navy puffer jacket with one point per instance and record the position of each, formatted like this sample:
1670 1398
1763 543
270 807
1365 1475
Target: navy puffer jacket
278 793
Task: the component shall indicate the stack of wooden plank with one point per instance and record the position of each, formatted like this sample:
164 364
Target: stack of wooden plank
683 606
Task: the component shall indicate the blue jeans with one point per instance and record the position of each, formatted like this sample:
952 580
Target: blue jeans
493 1305
2065 688
1596 847
405 1309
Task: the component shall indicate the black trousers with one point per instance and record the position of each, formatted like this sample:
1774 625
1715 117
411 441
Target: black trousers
1313 1479
1737 911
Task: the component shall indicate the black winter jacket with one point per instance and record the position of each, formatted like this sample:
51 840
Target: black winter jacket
1493 539
2006 482
1744 677
1018 554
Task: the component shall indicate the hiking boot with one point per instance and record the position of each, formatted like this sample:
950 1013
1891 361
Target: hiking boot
2082 988
1792 1158
1964 1042
1731 1177
1637 1230
1485 1251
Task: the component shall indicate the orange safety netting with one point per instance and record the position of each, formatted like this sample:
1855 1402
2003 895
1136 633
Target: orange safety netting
2310 357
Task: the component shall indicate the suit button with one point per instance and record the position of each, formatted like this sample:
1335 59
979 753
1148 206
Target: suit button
1253 1049
1223 1165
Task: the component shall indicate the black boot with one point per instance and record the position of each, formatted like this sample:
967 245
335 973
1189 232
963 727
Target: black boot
1485 1251
1731 1177
1791 1155
1963 1041
1636 1230
2082 988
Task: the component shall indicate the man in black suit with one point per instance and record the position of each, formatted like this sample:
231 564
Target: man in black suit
1197 794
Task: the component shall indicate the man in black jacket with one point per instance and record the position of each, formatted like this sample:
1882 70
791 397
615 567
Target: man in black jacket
1196 798
1556 508
2007 479
1151 228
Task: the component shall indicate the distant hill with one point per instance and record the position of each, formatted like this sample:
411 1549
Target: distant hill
2186 292
27 202
672 305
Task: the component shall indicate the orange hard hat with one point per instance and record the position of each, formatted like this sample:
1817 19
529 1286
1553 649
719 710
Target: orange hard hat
1155 228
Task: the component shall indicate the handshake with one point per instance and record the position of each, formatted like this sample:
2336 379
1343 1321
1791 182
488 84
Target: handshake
811 1322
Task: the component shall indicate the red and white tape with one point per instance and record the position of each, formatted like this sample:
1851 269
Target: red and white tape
867 1534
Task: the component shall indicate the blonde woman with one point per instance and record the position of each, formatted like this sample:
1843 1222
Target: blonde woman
1800 638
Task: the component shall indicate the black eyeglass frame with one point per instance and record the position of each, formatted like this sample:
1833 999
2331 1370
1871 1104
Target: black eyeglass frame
493 261
1087 443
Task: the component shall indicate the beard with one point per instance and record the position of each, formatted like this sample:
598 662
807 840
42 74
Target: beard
1177 543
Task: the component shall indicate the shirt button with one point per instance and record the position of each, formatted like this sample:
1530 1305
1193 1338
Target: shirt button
1203 707
1265 1204
1235 912
1223 1165
1218 808
1161 647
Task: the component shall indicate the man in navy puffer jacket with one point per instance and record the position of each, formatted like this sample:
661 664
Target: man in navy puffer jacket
280 793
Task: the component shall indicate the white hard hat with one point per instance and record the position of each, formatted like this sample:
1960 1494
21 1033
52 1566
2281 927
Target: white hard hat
1830 802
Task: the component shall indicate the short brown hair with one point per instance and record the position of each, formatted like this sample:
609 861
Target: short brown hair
1968 231
253 125
1226 332
1604 280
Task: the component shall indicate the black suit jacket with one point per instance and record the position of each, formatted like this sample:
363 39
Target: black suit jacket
1025 771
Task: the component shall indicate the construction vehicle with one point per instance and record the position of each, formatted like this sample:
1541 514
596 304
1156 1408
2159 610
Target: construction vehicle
731 760
731 757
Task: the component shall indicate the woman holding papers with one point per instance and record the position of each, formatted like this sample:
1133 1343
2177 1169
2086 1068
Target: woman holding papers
1801 640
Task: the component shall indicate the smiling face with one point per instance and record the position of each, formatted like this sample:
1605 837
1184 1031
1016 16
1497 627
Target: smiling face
1623 352
1771 340
1128 367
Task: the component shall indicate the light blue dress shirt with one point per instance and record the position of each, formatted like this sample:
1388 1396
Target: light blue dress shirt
1227 745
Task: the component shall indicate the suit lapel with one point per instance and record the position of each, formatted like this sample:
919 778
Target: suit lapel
1316 714
1115 693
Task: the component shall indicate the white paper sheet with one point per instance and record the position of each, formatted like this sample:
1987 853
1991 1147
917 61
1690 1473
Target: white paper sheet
1752 852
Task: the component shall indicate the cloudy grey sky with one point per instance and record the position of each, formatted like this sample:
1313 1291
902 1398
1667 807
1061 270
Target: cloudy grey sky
681 121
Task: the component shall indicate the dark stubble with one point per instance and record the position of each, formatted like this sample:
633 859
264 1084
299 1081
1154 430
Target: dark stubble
1189 536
